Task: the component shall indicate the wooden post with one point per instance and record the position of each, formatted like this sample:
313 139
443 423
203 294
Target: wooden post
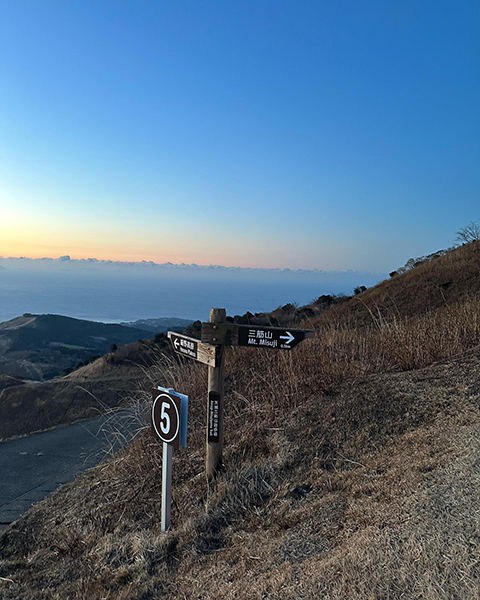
166 486
216 377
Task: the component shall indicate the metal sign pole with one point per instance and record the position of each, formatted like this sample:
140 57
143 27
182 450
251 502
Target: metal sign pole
216 376
166 486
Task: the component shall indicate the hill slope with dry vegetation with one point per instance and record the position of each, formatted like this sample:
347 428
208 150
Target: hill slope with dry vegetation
443 281
40 347
351 468
97 387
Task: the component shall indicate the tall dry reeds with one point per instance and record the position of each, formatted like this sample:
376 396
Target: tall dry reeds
264 386
398 343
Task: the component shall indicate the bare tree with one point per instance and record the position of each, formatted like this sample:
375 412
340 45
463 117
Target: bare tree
469 233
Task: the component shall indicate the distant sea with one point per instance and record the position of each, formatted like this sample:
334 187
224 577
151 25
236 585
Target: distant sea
114 293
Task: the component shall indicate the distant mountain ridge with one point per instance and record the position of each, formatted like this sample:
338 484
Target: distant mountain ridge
67 330
158 325
42 346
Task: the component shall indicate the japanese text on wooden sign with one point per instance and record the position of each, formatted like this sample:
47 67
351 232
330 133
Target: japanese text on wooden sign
254 336
192 348
213 418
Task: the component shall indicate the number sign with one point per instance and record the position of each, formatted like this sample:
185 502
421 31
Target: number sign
166 417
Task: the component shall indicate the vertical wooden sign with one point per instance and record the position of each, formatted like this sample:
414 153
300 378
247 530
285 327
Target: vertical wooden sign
213 417
216 376
210 350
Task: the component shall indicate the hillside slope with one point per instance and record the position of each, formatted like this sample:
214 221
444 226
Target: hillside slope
42 346
36 406
351 470
446 280
372 493
105 383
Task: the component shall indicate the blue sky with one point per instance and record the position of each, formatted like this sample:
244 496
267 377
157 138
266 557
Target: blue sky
328 135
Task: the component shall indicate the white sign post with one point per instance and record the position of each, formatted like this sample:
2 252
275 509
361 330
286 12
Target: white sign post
169 422
167 486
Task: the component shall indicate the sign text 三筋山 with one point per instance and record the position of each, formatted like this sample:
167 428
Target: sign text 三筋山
254 336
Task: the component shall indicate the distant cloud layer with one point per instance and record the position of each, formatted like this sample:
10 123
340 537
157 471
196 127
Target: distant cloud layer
106 290
67 260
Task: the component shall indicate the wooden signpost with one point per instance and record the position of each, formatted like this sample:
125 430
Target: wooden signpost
216 334
216 380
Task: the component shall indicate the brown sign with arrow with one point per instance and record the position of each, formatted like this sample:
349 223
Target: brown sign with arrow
254 336
192 348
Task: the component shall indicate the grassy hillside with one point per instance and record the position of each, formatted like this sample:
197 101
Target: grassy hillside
443 281
351 468
43 346
31 407
103 384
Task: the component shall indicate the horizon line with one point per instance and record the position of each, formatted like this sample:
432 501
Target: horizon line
150 263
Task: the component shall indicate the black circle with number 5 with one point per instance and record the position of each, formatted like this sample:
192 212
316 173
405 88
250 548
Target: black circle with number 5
166 417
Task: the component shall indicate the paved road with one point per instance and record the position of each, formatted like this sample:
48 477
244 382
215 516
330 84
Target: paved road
32 467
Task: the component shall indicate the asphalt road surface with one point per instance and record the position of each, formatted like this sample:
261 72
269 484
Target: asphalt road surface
33 467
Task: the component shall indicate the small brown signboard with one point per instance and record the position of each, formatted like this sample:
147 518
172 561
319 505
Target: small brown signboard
213 417
270 337
166 417
254 336
192 348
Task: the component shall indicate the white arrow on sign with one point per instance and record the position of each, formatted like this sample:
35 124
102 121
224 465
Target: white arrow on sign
176 343
289 337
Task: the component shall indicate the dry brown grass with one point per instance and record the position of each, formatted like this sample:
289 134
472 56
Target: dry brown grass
364 493
351 472
28 408
446 280
400 343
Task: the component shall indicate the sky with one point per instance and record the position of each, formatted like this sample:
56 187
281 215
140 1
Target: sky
312 134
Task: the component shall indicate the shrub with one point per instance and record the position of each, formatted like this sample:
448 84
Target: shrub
359 289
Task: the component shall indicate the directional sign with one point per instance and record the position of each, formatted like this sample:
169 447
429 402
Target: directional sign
254 336
166 417
264 337
192 348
